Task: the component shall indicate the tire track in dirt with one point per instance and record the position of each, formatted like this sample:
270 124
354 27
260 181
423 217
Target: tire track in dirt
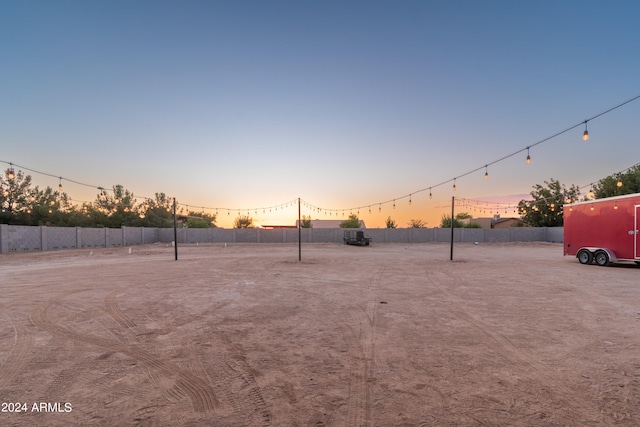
172 391
238 384
359 336
115 312
504 347
358 400
23 343
200 394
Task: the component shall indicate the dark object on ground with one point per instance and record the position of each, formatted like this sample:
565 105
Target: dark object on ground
352 237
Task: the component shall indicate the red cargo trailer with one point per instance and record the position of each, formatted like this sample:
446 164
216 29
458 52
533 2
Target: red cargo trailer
603 230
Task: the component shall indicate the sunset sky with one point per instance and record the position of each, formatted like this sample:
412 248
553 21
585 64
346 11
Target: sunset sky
248 105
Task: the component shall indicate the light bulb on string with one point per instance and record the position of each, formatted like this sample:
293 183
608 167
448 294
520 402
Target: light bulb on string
528 157
585 134
409 198
10 173
486 173
430 195
454 184
591 193
619 183
60 184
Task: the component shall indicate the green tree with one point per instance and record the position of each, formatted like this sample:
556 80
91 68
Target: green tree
200 220
458 221
118 209
351 222
445 222
618 184
243 221
44 207
305 222
157 212
546 208
417 223
14 195
390 223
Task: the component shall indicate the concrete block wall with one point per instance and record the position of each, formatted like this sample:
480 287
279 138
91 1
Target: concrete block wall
16 238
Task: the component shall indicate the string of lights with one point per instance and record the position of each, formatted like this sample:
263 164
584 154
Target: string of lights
353 209
585 137
239 211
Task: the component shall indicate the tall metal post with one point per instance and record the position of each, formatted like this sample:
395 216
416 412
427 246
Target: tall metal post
299 233
175 230
452 204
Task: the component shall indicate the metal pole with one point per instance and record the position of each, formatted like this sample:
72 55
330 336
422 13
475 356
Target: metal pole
452 204
299 233
175 230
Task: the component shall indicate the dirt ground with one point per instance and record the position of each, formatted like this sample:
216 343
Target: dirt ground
386 335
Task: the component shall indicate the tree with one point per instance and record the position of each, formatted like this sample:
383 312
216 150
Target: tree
157 212
352 222
458 221
195 222
200 220
545 210
305 222
118 209
417 223
14 192
391 223
618 184
243 221
445 221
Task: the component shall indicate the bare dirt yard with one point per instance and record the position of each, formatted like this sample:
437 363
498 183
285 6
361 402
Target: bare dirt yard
386 335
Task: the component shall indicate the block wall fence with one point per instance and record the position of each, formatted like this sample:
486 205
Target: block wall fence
19 238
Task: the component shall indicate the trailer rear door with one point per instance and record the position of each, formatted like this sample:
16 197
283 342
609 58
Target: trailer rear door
636 227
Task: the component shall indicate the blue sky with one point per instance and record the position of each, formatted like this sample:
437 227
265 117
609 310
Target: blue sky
246 104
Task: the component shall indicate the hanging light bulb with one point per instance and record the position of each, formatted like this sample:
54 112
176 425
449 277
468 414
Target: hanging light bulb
430 195
615 206
591 193
409 198
585 135
528 157
10 173
619 183
394 204
60 185
486 173
454 184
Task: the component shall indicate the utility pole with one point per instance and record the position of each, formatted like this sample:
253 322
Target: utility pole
299 233
452 204
175 230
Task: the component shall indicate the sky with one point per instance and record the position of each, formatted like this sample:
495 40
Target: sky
242 107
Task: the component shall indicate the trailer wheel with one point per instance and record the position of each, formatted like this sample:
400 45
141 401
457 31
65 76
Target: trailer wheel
601 258
585 257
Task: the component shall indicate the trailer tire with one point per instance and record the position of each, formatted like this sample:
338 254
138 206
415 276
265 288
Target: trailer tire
584 256
601 258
